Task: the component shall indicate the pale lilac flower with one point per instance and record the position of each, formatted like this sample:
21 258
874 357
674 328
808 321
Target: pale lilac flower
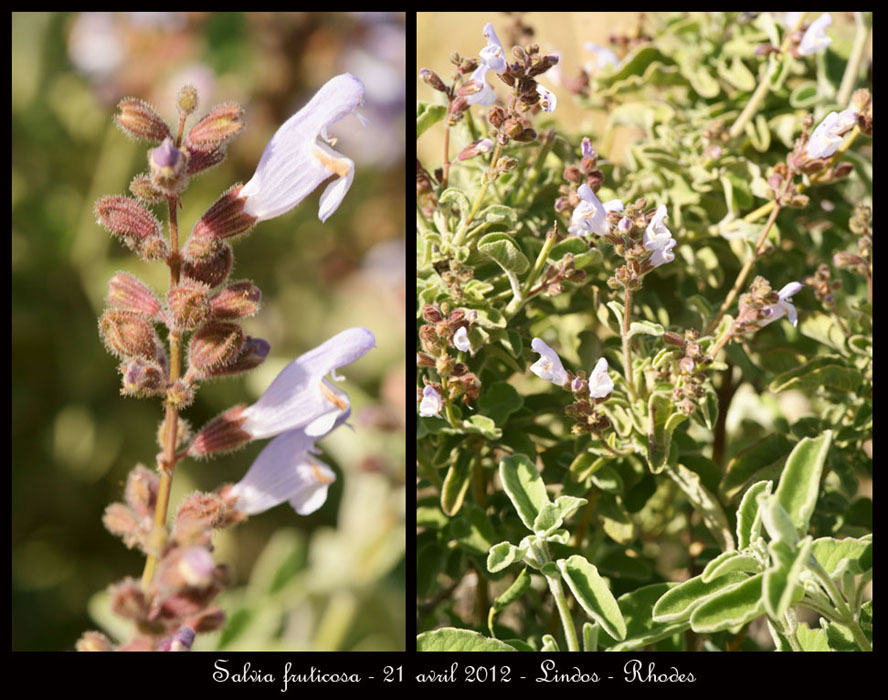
286 470
493 54
461 339
827 137
658 238
548 101
784 306
604 57
600 383
586 148
815 38
591 215
431 404
487 96
549 365
295 162
301 396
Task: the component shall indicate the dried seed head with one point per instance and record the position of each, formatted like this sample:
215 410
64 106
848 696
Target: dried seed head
216 128
237 300
214 269
188 304
128 293
128 335
215 345
139 120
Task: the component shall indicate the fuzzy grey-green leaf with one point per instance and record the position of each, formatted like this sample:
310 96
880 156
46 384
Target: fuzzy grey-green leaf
593 594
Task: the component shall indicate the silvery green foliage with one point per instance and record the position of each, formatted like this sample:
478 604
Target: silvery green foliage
736 427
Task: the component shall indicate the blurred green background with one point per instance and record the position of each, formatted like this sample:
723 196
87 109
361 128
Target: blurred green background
330 581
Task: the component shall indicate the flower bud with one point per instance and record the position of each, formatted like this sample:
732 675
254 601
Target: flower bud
513 127
128 219
843 169
183 431
127 335
507 164
424 360
198 160
128 293
215 345
205 509
432 80
572 174
431 314
475 148
180 395
182 640
123 522
226 218
145 190
186 100
128 600
470 88
208 620
222 434
141 490
93 641
496 116
236 301
253 354
142 378
168 168
188 304
686 365
216 128
212 270
139 120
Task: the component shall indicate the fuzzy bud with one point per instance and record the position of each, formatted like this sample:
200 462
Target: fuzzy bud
215 345
843 169
226 218
141 490
181 640
188 304
496 116
475 148
206 510
142 378
145 190
198 161
252 354
431 314
169 168
212 270
208 620
128 219
139 120
470 88
180 395
686 365
222 434
236 301
218 127
127 335
513 127
128 600
93 641
186 100
432 80
123 522
424 360
128 293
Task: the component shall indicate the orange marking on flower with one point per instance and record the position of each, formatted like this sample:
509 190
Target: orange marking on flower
339 166
320 476
333 398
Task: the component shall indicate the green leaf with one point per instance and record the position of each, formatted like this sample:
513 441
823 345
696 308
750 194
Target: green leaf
800 480
646 328
473 530
590 636
776 520
615 520
593 594
838 556
705 503
503 250
749 521
812 640
804 95
453 639
726 562
641 629
662 421
823 328
548 520
584 465
500 401
677 604
734 606
514 592
489 317
737 74
456 483
427 115
502 555
498 214
482 425
827 372
549 643
573 245
764 456
780 586
524 486
452 195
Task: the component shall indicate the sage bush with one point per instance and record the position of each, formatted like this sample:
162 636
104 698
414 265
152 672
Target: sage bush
644 379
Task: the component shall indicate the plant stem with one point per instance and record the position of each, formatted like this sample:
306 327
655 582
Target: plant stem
545 146
570 632
488 178
853 66
446 174
627 352
762 90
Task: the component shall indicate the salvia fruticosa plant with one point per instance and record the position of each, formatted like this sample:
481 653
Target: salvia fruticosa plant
200 314
697 477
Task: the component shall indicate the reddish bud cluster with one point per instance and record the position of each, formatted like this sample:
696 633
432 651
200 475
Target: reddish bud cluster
139 120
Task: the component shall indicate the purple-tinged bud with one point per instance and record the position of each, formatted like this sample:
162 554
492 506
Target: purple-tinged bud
142 378
208 620
122 521
253 354
843 169
127 335
188 304
93 641
432 80
199 249
139 120
222 434
215 345
572 174
186 100
205 509
215 129
424 360
198 161
587 150
141 490
849 261
226 218
471 87
212 270
577 384
237 300
128 600
128 293
127 219
625 226
196 567
180 641
165 155
475 148
496 116
432 314
147 191
686 365
671 338
513 127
